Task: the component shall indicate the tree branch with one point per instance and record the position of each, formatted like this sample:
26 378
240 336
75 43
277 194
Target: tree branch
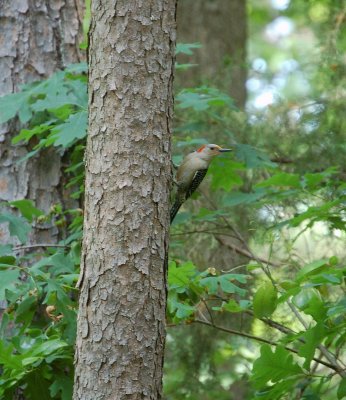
244 252
259 339
34 246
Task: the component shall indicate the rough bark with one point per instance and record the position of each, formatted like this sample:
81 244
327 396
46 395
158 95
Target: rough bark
121 321
220 26
37 37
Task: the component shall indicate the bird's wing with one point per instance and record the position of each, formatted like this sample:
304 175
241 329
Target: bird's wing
197 179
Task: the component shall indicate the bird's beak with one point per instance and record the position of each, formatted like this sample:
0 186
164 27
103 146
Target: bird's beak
224 150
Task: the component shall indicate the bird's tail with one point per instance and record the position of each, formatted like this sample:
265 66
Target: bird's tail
174 210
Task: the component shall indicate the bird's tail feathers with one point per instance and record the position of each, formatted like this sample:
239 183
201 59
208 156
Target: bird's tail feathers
174 210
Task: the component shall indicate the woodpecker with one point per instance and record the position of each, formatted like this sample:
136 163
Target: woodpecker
191 173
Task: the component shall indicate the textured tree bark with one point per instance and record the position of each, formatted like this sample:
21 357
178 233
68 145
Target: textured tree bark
37 38
121 321
220 26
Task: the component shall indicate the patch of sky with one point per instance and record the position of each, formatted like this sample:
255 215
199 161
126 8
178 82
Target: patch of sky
253 84
279 28
259 65
280 4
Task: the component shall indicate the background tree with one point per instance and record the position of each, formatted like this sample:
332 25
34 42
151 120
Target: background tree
121 322
221 29
39 38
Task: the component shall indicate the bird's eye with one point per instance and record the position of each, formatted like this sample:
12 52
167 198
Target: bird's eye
212 148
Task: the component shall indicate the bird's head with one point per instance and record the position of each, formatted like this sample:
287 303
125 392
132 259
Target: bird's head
208 151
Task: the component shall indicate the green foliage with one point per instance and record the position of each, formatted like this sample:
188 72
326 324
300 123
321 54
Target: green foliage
17 226
264 301
26 208
37 330
202 98
189 288
186 48
274 366
54 110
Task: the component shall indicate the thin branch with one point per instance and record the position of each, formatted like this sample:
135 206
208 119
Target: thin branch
273 324
327 354
259 339
207 231
245 252
34 246
209 312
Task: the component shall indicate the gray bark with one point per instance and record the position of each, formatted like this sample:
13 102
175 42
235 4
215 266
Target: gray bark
121 320
220 26
37 38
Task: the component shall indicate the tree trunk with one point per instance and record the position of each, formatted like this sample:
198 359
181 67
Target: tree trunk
121 321
220 26
37 38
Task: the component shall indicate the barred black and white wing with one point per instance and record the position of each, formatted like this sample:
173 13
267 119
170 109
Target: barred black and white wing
181 197
196 181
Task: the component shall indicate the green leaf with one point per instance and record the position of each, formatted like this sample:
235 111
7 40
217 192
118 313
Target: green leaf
309 301
17 226
279 390
47 347
5 249
186 48
237 198
313 267
184 67
182 310
55 291
225 173
224 282
8 280
61 263
36 387
341 393
62 385
313 337
11 104
208 215
234 307
29 361
27 134
274 366
282 179
69 279
8 260
315 213
75 127
79 89
338 308
54 101
8 359
26 208
179 276
25 309
252 157
77 68
265 300
314 180
203 98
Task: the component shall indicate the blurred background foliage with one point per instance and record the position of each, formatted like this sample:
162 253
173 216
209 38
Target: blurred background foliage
257 273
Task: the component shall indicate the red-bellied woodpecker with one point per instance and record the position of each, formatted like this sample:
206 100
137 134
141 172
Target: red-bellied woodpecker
191 173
